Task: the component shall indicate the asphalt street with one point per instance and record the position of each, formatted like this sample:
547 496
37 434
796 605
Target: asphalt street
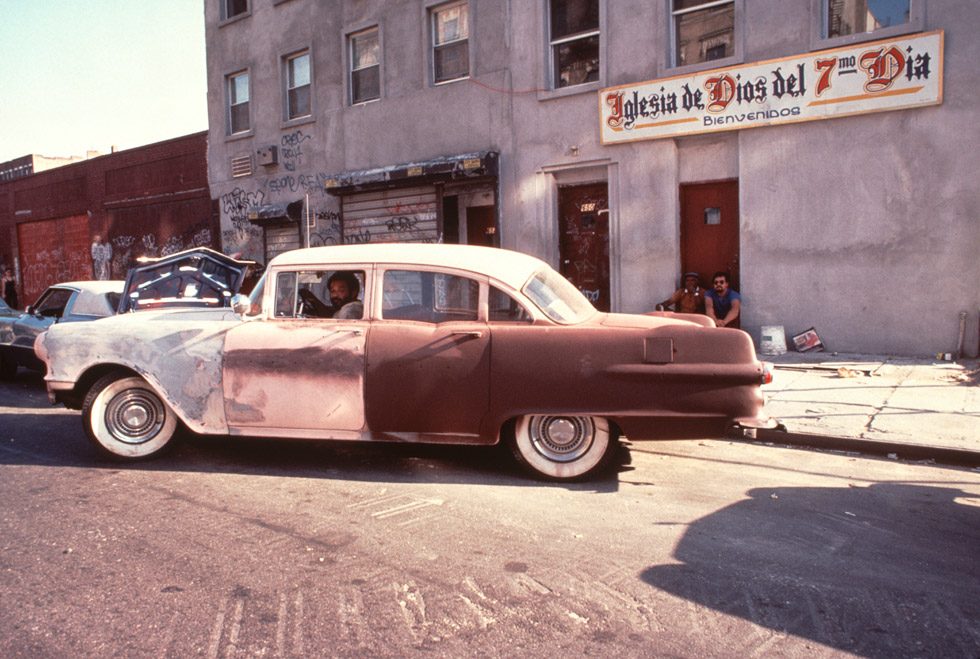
260 548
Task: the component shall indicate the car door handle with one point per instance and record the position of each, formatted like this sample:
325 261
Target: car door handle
474 333
356 331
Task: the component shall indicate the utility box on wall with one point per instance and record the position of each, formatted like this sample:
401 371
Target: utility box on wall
268 155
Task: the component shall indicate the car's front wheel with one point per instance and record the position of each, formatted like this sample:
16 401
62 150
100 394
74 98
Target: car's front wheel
8 368
125 418
561 448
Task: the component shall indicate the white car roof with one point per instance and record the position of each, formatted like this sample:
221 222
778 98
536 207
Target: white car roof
510 267
93 286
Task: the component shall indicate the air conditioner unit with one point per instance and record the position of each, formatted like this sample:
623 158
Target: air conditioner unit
268 155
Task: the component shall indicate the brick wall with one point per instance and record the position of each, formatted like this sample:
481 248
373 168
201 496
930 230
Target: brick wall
147 201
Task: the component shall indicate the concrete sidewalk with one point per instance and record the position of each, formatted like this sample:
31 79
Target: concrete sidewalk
904 407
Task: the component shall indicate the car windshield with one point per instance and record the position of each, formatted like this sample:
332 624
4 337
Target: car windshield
557 297
255 297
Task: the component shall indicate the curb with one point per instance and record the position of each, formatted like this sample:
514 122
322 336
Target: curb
947 456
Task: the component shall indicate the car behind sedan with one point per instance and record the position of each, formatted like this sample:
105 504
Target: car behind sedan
448 344
69 302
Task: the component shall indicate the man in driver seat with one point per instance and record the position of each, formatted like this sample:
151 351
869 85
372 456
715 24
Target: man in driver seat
344 287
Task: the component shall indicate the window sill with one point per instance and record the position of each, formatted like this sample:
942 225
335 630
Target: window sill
298 121
688 69
863 37
234 19
572 90
234 137
441 83
361 104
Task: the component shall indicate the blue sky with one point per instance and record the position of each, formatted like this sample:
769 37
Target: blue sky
77 75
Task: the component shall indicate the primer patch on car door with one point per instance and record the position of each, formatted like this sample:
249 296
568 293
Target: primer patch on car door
304 374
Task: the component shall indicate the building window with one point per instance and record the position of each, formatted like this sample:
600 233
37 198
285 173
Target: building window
450 42
238 103
703 30
845 17
574 40
298 85
232 8
365 66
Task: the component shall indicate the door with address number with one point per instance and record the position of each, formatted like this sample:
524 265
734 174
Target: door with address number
583 226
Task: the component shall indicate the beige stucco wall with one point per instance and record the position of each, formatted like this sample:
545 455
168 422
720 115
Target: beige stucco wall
863 227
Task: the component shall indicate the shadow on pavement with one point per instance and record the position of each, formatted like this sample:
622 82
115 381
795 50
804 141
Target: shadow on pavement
886 570
59 440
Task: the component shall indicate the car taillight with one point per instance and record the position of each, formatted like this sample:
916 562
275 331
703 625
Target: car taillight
767 369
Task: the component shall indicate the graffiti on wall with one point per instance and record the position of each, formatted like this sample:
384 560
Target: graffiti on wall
235 205
326 231
127 248
50 266
402 222
291 149
101 258
241 236
238 234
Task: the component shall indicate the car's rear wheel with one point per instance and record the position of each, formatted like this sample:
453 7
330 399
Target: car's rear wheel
126 420
561 448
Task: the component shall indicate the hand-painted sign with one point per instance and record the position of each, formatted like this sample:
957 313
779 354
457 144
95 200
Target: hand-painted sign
892 74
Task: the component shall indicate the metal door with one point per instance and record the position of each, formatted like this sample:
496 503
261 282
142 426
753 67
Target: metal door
583 227
710 229
53 251
480 229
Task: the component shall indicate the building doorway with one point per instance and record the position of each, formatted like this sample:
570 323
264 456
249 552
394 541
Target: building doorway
481 223
583 227
710 229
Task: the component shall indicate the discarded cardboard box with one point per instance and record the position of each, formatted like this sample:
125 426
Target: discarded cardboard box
808 341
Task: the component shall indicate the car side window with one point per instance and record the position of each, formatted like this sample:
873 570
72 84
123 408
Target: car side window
336 294
504 308
430 297
52 304
101 305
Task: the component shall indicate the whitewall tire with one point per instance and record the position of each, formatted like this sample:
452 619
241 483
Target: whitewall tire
561 447
125 418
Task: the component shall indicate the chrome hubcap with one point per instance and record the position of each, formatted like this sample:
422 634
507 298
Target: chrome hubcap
134 416
562 438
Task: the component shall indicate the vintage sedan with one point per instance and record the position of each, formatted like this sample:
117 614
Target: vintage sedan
69 302
450 344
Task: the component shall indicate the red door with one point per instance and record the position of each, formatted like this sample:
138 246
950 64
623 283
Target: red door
51 252
709 230
583 227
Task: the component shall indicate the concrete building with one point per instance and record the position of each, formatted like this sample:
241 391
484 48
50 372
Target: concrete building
624 142
34 164
92 219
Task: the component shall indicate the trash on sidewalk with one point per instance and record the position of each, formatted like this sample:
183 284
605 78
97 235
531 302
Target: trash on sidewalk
808 341
837 369
773 340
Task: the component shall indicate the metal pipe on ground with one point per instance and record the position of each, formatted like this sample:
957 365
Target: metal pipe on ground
959 342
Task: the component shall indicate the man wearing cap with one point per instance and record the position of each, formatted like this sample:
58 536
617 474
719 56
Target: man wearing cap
689 299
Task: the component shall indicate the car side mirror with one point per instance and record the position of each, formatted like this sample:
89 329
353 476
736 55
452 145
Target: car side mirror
28 310
241 305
